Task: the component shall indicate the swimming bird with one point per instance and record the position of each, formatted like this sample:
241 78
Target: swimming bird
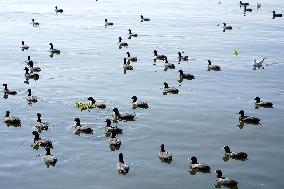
144 19
130 34
131 58
31 98
248 119
41 142
235 155
123 116
109 128
163 155
29 60
121 44
169 65
182 57
108 23
258 5
276 15
31 75
24 47
158 57
9 91
225 27
11 119
264 104
121 166
35 24
140 104
58 10
194 165
32 68
168 89
185 76
52 50
49 159
243 4
113 141
213 67
222 181
40 125
82 128
100 105
258 63
126 65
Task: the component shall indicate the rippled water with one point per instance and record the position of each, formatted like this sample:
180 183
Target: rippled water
198 121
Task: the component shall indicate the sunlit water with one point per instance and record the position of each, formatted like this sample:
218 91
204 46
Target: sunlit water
198 121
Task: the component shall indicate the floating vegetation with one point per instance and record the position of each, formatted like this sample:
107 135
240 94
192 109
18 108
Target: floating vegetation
236 52
85 106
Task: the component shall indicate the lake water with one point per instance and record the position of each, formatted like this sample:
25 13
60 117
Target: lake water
198 121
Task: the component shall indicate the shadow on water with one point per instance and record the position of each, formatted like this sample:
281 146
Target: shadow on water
167 161
5 96
78 132
219 186
51 54
226 158
30 103
114 147
13 124
194 172
242 124
35 78
50 164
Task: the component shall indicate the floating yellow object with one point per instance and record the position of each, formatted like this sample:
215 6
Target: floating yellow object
236 52
84 106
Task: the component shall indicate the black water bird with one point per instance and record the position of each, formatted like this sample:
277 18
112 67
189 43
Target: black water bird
259 103
195 166
164 155
121 166
8 91
108 23
182 75
223 181
137 104
123 116
41 142
58 10
248 119
212 67
82 128
143 19
100 105
35 24
276 15
168 89
39 124
235 155
11 120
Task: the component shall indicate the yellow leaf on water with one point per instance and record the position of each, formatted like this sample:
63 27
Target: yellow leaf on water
85 106
236 52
